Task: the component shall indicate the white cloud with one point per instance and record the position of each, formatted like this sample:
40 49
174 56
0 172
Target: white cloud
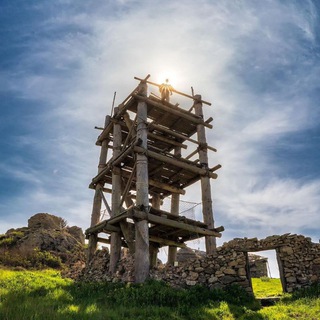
230 53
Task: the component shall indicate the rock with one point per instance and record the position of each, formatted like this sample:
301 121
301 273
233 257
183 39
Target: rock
213 280
227 279
46 233
46 221
191 283
229 271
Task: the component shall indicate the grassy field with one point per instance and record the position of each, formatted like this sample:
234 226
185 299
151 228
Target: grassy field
266 287
41 295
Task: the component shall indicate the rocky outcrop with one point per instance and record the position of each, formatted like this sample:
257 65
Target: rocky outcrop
47 240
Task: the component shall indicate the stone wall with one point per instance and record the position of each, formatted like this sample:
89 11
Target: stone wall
258 266
298 257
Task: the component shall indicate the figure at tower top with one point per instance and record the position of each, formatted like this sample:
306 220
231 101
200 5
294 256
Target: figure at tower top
166 91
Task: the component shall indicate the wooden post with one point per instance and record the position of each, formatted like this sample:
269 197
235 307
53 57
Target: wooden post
115 247
142 260
175 200
154 248
205 180
96 208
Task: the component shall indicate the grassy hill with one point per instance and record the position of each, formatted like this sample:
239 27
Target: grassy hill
45 295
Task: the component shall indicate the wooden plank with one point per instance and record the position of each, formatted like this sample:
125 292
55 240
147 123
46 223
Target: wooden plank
159 185
176 134
102 227
174 224
173 90
179 113
108 241
171 216
168 141
167 242
177 163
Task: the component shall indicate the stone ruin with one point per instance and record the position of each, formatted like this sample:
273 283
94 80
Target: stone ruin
298 260
258 266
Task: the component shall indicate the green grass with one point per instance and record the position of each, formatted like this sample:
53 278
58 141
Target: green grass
41 295
266 287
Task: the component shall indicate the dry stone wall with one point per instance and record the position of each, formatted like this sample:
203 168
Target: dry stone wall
299 264
258 266
298 257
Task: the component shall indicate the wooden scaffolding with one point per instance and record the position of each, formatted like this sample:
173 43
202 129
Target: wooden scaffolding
146 135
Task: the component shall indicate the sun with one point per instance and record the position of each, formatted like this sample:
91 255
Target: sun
171 75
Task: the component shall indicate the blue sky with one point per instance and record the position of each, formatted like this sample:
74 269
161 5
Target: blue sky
258 62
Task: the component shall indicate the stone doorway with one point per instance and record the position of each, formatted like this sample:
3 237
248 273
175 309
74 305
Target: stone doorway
265 265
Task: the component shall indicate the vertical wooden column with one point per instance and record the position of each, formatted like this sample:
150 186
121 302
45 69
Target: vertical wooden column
154 248
142 260
96 207
115 246
175 200
205 181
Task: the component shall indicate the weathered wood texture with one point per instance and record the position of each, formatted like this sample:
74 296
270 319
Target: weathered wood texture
142 260
115 247
205 181
154 245
96 207
175 200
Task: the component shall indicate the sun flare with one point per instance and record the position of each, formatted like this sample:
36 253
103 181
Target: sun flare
171 75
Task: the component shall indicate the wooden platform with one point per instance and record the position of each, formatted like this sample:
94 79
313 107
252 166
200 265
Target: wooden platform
165 228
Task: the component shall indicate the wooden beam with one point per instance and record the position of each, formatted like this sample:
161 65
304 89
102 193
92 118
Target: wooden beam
128 185
96 207
207 210
158 184
106 203
215 168
113 162
131 132
141 255
173 90
115 246
171 216
177 163
135 90
176 134
174 224
108 241
166 140
102 227
186 115
118 218
175 202
167 242
105 133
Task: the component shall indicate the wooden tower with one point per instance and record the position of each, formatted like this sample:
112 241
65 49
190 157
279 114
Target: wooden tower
146 135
